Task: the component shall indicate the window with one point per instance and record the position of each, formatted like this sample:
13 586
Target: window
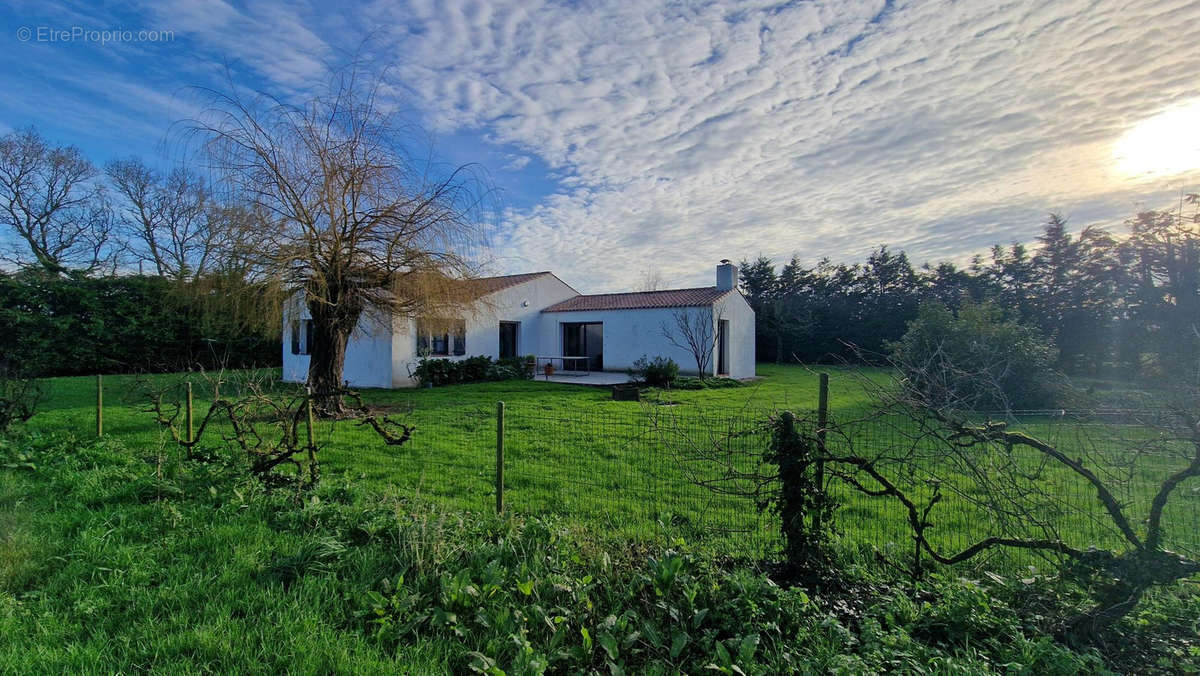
302 336
442 338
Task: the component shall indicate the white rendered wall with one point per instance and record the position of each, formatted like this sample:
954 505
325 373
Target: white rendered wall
632 334
384 354
295 366
737 311
368 353
522 303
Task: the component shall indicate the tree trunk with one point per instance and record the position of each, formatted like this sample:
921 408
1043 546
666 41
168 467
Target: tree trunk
327 357
1086 628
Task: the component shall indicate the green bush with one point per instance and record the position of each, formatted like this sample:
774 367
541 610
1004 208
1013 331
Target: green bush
480 368
976 359
657 372
59 326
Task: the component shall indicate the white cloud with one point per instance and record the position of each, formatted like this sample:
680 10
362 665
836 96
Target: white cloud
689 134
517 162
278 41
686 133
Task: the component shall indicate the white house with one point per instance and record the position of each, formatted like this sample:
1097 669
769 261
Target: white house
539 314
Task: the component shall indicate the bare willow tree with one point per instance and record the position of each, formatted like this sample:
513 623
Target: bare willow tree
694 329
51 201
346 221
170 220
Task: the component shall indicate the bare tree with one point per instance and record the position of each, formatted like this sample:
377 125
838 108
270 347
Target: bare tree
346 221
695 329
50 200
1090 498
170 220
267 426
650 279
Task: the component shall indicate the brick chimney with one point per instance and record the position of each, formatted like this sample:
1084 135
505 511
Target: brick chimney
727 276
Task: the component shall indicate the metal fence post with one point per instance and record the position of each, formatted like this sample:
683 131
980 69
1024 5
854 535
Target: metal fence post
99 405
500 457
190 433
822 422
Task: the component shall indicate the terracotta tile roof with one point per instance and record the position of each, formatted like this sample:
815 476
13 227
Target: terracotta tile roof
641 300
494 284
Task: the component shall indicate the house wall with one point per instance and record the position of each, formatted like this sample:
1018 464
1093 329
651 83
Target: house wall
521 303
369 347
383 353
741 335
632 334
295 366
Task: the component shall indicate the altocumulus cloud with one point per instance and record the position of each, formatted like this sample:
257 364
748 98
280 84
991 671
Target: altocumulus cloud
677 134
691 133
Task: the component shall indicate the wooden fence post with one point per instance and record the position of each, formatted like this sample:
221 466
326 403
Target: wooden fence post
822 422
312 442
99 405
500 457
190 433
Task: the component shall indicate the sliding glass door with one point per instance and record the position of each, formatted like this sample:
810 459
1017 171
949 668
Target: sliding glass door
584 340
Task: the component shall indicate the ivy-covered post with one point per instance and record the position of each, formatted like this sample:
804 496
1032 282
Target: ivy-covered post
822 423
803 507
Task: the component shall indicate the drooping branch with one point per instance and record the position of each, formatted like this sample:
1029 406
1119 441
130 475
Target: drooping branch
1154 521
998 432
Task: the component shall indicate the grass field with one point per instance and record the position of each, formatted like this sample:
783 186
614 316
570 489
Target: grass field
118 557
569 449
630 467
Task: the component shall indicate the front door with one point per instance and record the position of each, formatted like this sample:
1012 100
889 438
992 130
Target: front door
508 339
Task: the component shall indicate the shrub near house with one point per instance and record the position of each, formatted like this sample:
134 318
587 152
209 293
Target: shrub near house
433 372
657 372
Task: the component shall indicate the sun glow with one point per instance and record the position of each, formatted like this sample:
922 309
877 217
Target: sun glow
1163 145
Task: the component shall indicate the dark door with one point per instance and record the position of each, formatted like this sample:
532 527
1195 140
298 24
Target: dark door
583 340
723 347
594 343
508 339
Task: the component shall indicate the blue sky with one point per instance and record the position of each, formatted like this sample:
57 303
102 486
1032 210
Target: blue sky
626 136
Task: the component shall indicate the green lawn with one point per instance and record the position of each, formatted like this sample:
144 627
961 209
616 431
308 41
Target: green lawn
569 449
632 467
112 564
117 556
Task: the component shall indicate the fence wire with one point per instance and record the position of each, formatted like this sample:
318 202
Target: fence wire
682 472
645 470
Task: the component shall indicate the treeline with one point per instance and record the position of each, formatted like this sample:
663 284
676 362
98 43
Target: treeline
1123 303
123 267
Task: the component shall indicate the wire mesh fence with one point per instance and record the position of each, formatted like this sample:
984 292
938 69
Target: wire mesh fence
684 472
1004 490
678 471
